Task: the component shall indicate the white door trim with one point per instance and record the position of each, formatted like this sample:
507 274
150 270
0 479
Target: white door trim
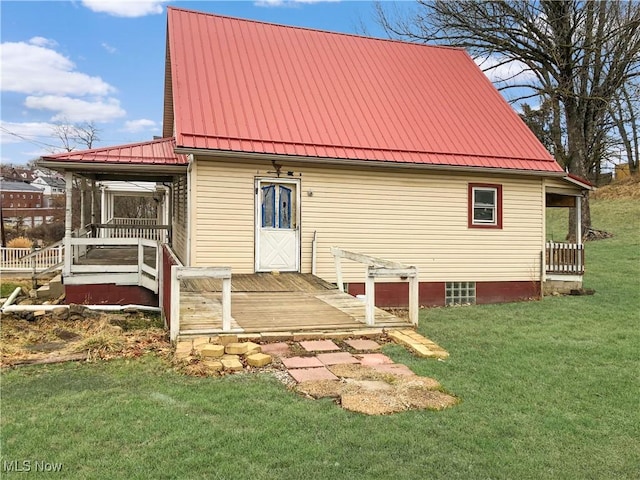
258 217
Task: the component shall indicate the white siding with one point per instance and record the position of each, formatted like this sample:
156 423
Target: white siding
417 217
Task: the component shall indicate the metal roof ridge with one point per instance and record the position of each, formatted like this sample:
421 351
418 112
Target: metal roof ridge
295 27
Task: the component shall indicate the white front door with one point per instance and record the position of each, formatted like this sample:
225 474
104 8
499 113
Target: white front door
277 225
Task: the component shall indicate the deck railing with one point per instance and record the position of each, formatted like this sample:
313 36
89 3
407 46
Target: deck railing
120 227
29 260
178 273
565 258
376 268
140 273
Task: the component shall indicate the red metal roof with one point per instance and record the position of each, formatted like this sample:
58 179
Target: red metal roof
155 152
246 86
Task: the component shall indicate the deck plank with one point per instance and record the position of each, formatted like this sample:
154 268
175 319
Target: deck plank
269 303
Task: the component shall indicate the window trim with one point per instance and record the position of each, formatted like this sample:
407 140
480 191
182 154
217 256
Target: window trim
471 203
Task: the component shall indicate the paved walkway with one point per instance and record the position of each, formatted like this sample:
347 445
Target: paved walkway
317 355
307 360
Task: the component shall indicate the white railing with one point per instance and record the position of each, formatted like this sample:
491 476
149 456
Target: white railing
178 273
126 220
120 227
377 268
139 273
29 260
565 258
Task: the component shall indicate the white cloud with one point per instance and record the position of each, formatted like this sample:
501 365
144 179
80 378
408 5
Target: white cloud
502 71
76 110
43 42
134 126
109 48
125 8
11 132
287 3
34 69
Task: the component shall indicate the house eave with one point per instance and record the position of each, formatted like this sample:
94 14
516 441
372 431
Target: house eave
110 170
362 163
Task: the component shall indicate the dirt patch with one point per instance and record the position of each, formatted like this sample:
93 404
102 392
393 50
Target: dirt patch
362 389
49 338
360 372
321 388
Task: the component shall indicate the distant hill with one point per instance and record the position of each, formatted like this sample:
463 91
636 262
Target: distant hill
628 187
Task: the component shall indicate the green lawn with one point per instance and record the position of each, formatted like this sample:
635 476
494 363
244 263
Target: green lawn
549 390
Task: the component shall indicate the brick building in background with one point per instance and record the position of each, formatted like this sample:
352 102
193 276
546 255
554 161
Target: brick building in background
23 205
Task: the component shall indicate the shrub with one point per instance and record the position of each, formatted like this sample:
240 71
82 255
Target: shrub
20 242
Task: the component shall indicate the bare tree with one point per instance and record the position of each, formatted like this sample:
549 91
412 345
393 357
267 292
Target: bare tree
73 135
579 55
86 134
624 112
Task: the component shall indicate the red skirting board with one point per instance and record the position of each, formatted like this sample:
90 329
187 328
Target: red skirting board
110 294
432 293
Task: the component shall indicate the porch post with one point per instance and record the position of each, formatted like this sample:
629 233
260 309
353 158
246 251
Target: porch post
103 208
579 220
370 298
83 188
93 207
68 222
414 298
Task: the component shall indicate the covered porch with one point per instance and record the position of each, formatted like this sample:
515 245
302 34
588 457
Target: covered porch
117 219
564 261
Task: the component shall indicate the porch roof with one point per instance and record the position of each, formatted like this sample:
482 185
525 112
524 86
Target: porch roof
130 161
154 152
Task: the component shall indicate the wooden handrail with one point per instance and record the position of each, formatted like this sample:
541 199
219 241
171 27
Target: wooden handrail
378 267
564 258
178 273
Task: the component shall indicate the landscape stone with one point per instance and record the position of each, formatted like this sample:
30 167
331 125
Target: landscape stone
252 348
258 360
236 348
226 339
213 365
232 364
211 350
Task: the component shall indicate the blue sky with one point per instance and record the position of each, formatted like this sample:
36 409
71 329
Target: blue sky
102 61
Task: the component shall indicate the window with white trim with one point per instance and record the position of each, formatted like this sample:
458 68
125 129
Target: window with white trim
485 205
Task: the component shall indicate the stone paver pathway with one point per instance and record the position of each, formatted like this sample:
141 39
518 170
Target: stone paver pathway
319 346
363 345
308 359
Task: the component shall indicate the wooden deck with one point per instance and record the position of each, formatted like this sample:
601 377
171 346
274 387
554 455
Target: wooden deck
265 302
116 256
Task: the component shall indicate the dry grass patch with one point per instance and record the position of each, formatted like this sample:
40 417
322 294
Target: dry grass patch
360 372
626 188
48 338
362 389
